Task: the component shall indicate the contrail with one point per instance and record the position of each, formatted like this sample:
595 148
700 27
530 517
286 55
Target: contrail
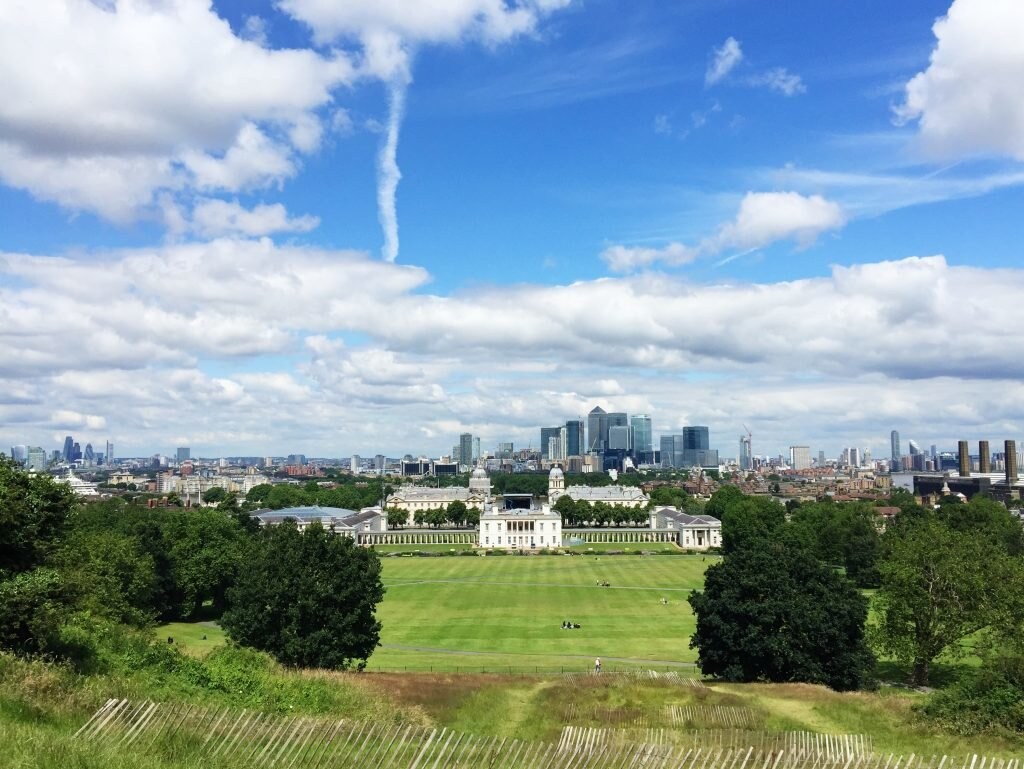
388 174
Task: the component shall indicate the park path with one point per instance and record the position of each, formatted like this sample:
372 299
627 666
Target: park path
633 660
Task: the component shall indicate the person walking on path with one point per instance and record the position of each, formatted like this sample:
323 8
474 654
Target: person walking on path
597 665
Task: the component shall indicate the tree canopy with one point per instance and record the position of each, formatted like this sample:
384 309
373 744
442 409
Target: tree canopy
780 615
308 598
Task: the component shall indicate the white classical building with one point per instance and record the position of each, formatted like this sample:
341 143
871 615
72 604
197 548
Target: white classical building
625 496
694 532
414 499
518 523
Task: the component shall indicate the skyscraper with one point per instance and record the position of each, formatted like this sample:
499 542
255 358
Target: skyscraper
597 429
36 458
643 439
574 438
183 453
894 439
619 438
466 449
108 455
546 434
799 457
746 457
69 449
90 455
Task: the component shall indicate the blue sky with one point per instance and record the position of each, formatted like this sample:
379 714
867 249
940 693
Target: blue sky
804 217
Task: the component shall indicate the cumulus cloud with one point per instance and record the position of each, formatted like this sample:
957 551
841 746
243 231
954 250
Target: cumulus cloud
968 101
427 21
763 218
723 61
320 355
212 218
103 106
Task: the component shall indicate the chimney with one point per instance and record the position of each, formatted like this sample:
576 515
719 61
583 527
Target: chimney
965 459
1011 461
984 458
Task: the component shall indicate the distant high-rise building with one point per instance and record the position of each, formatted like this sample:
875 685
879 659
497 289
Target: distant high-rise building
575 439
894 457
619 438
465 456
182 453
821 458
108 455
476 449
799 457
597 429
355 464
667 450
746 455
19 454
554 450
546 434
984 458
643 438
69 449
506 450
90 455
76 451
378 463
35 458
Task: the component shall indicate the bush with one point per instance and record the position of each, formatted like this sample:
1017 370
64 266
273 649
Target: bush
989 700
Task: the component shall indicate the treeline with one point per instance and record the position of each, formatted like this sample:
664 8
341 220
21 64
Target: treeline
349 495
455 514
784 603
70 570
580 513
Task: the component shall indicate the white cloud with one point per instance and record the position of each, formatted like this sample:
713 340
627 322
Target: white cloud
803 359
428 21
724 61
766 217
968 101
629 258
215 218
101 107
763 218
779 79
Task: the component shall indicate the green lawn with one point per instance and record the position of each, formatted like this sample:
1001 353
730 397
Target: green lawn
499 612
194 638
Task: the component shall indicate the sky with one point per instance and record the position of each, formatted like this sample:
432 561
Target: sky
306 226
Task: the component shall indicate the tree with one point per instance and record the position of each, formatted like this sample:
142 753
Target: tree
34 511
308 598
397 518
207 549
775 613
456 511
215 495
749 519
939 586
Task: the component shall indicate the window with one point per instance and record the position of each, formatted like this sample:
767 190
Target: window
487 540
487 527
499 540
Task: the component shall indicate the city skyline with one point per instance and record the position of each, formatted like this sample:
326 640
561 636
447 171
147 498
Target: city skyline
271 227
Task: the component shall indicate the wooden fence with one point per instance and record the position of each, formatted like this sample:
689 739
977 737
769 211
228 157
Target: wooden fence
250 739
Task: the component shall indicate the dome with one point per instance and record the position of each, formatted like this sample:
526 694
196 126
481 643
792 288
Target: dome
479 473
556 472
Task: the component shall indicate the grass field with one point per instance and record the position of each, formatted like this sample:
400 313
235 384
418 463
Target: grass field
506 612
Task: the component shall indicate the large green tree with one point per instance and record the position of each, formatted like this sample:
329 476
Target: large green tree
34 510
308 598
770 611
940 585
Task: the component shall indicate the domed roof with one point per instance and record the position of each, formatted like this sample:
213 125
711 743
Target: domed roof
556 472
479 473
